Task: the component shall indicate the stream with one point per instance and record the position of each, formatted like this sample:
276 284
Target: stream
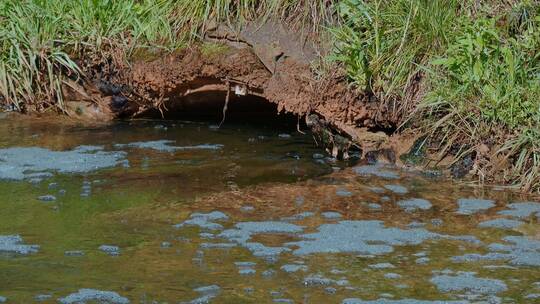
157 211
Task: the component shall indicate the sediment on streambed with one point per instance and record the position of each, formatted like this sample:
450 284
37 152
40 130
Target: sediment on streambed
397 91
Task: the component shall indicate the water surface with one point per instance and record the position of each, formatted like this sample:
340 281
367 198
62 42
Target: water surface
173 212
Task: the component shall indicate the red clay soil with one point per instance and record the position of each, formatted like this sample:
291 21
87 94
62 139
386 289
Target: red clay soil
168 82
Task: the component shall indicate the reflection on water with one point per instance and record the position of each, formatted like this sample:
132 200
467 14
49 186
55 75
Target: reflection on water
173 212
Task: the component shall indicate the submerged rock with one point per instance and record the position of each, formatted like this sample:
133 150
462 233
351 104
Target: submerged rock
14 244
468 282
16 163
89 295
469 206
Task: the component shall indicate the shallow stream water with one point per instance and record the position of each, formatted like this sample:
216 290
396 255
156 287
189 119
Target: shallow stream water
184 212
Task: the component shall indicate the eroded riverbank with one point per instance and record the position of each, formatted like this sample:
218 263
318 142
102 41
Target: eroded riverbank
173 212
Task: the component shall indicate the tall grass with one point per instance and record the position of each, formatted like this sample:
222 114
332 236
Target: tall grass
41 41
489 78
480 61
384 43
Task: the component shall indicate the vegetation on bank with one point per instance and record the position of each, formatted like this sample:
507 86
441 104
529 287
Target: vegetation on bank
476 68
465 72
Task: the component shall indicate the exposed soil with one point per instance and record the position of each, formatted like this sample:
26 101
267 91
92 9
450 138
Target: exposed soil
264 63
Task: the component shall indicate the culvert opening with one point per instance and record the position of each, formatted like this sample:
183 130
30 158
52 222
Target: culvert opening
209 106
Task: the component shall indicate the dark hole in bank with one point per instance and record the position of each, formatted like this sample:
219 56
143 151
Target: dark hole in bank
209 106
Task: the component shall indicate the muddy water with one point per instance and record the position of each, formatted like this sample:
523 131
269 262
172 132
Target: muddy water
182 212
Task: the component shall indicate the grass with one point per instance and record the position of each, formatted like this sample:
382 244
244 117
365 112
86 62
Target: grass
43 43
479 65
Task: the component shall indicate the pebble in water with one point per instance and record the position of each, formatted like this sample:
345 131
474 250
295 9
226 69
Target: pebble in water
74 253
344 193
397 189
374 206
110 250
47 198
